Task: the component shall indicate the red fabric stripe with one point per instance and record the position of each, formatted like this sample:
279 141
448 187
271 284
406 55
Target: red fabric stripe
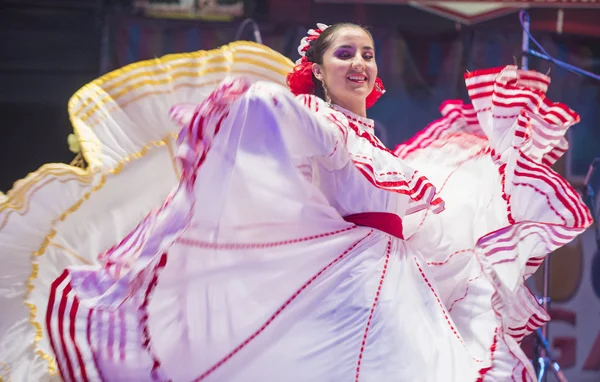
406 185
390 186
534 97
483 72
49 314
497 70
427 135
372 312
542 194
576 207
156 372
533 173
511 85
511 248
110 341
278 311
73 321
533 76
89 341
516 104
441 305
521 134
465 294
509 233
485 370
61 332
571 113
246 246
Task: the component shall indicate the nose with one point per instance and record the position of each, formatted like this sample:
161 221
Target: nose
358 63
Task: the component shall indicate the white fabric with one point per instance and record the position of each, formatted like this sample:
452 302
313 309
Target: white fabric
297 300
248 271
61 215
490 160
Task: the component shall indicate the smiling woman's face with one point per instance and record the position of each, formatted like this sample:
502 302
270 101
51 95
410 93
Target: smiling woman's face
349 69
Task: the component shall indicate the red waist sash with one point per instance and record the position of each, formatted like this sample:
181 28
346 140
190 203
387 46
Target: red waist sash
383 221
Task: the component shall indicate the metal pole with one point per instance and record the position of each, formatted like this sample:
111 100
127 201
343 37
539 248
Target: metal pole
525 43
546 305
542 356
545 359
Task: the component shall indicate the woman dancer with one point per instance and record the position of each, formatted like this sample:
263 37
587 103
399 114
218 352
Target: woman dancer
296 247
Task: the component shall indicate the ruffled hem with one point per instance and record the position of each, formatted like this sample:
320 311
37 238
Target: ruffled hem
106 113
54 219
512 123
24 213
44 218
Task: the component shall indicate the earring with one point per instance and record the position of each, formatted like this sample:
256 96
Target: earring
327 98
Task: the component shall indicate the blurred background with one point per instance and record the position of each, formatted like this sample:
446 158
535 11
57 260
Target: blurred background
50 48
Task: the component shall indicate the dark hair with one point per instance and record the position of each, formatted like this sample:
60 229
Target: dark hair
318 47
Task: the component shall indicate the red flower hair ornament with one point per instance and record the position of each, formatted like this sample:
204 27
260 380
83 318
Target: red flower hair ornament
300 80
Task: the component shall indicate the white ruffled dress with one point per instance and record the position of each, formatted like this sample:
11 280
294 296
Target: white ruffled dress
290 244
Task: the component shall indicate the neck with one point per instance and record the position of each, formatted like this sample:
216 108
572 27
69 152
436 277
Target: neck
359 109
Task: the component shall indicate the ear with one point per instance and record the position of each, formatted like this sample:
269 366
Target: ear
317 71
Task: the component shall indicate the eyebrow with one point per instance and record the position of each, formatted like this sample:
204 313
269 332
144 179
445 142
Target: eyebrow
351 47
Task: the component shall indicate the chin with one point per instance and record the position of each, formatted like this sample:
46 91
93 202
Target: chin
361 90
361 93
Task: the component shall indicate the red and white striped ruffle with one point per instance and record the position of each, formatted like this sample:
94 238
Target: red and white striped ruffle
522 133
459 118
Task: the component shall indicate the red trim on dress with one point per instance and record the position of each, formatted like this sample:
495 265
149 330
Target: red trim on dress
245 246
264 326
375 301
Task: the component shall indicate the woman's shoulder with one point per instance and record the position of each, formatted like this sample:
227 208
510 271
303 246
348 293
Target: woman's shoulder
312 102
320 107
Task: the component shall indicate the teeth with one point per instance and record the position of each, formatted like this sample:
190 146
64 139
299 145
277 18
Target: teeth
358 78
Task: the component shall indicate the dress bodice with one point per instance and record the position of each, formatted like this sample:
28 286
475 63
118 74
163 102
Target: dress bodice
373 178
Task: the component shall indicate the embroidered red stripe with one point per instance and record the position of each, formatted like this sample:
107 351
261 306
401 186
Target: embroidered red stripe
278 311
73 321
244 246
49 313
373 307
